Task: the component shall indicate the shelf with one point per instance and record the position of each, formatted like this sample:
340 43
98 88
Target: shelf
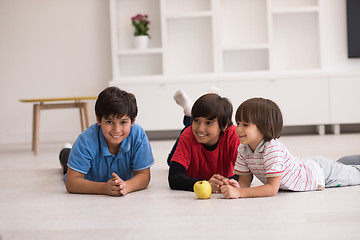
293 10
246 47
139 52
294 3
190 15
236 77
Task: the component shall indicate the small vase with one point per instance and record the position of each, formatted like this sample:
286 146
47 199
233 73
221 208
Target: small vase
141 42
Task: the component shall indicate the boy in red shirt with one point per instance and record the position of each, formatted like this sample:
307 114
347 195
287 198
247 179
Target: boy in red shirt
207 149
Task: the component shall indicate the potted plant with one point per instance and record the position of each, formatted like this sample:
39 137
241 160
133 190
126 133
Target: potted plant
141 25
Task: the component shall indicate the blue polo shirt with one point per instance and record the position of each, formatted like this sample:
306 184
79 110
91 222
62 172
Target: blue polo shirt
90 155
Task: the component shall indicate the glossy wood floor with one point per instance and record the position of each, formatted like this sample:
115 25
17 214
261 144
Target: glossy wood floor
35 205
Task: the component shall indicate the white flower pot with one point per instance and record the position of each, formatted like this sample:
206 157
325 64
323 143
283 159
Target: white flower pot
141 42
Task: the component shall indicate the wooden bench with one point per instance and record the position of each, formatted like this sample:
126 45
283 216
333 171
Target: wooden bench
42 104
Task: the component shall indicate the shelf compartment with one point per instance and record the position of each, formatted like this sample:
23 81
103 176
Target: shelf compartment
187 7
246 60
125 31
238 18
190 46
295 42
145 64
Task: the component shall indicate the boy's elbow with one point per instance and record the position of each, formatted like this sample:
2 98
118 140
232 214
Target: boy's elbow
171 183
68 187
273 192
147 182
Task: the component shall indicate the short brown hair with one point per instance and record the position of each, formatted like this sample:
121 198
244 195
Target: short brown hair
264 113
212 106
114 101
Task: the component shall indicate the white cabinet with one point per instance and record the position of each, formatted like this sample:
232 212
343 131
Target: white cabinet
157 108
298 99
345 99
246 48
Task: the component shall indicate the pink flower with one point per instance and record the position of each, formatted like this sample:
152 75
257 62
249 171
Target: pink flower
140 23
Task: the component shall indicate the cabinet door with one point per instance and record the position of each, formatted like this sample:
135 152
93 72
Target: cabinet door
302 101
157 107
344 100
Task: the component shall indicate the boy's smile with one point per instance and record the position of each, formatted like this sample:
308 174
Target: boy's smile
115 130
249 134
206 131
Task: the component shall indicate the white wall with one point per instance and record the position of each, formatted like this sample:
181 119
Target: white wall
334 37
51 48
59 48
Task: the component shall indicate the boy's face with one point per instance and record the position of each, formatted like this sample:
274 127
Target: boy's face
249 134
206 131
115 130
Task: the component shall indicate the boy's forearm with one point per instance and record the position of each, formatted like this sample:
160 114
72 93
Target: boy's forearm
259 191
266 190
85 186
177 178
139 181
75 182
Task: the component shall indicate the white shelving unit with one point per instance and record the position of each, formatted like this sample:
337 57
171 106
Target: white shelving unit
191 37
247 48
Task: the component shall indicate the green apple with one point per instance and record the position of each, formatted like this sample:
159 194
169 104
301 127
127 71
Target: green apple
202 189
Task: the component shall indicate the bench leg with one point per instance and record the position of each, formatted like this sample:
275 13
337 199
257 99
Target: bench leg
84 116
36 129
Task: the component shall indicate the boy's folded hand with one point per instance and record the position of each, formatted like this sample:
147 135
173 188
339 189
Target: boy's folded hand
121 183
217 181
115 186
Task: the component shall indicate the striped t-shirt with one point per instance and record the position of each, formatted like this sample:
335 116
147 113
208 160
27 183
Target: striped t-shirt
271 159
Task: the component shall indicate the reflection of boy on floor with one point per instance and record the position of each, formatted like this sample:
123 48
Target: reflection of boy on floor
113 156
207 146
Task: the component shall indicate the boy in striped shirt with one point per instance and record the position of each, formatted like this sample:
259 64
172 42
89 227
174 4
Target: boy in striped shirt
259 125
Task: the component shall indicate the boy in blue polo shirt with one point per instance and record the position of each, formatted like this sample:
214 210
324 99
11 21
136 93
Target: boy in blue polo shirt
113 156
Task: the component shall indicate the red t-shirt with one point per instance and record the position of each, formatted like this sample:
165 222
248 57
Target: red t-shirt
203 164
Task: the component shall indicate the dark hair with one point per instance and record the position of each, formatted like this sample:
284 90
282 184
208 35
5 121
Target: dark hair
113 101
213 106
264 113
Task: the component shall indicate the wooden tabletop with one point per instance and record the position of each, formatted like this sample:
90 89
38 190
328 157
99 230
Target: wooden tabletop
58 99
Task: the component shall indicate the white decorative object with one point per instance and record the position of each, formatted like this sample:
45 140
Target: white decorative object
141 42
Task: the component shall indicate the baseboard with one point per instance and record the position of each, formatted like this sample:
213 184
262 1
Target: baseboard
163 135
287 131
